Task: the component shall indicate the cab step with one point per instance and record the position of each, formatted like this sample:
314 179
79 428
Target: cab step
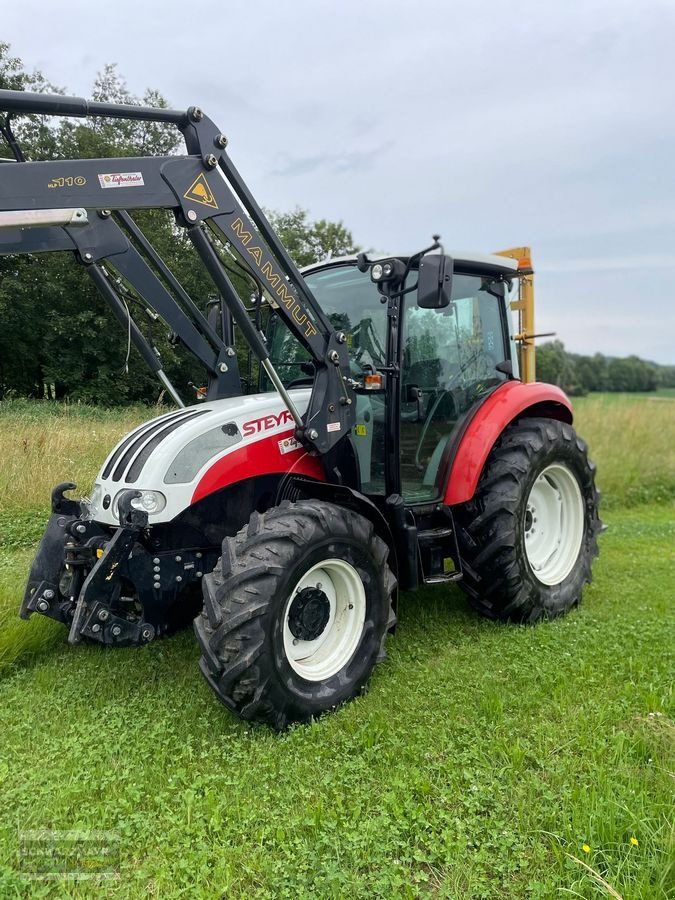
438 554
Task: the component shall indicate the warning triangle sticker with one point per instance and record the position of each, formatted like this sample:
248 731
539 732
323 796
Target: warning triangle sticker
200 192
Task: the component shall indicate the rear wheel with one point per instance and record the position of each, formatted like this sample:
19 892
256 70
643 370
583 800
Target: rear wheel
528 537
295 612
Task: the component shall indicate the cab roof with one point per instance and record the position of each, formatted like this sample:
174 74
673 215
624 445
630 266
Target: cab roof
473 263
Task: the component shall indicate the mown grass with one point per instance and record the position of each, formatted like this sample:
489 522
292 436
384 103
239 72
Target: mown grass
481 763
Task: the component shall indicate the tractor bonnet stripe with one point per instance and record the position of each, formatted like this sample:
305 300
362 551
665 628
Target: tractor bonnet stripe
136 467
142 429
140 440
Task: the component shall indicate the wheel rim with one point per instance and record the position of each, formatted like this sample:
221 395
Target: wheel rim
554 524
332 648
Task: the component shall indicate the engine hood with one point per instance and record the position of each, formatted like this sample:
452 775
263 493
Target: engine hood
186 454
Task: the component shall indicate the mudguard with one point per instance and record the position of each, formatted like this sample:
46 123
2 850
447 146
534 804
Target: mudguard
464 461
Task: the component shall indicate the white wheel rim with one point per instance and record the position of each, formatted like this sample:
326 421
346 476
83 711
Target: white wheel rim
554 524
319 659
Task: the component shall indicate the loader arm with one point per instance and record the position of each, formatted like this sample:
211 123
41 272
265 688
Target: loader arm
82 205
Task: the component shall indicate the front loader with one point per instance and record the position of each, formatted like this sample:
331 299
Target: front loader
389 442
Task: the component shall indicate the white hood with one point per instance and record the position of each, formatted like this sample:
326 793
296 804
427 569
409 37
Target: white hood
180 454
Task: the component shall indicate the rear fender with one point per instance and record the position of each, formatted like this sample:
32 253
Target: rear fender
463 462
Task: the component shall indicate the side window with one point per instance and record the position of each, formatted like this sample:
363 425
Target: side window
449 362
459 346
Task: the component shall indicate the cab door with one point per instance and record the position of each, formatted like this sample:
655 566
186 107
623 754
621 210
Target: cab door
449 364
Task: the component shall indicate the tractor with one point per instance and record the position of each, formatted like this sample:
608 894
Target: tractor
392 436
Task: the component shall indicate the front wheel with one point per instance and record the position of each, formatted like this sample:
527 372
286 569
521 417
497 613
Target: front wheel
295 612
528 537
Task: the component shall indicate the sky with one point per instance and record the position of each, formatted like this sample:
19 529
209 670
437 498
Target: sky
494 124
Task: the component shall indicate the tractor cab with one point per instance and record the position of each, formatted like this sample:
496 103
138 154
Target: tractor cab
417 372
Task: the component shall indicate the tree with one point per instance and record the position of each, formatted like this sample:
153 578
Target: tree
666 376
62 339
591 372
631 374
579 374
556 366
22 325
309 242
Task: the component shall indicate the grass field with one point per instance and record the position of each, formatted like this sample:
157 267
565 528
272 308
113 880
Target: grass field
485 761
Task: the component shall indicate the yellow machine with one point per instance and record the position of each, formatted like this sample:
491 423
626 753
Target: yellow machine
524 304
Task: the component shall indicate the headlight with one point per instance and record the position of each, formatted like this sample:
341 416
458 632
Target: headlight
376 272
150 502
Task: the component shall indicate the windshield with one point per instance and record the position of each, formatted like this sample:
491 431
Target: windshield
352 303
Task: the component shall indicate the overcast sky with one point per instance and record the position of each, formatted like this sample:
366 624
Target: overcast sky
496 124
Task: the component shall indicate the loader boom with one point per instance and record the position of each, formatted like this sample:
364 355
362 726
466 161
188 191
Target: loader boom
82 205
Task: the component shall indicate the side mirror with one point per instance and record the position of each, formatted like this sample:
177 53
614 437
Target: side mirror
434 284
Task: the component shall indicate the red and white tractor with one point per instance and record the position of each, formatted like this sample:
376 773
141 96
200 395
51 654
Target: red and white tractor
389 442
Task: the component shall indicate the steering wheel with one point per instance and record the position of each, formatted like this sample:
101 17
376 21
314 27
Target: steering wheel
431 412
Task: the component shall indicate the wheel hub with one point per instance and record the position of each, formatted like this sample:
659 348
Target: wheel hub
324 619
553 524
309 614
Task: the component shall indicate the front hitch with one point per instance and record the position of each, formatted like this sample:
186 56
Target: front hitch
43 592
103 583
93 616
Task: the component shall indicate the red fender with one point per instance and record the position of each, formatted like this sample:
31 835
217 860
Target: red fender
263 457
509 401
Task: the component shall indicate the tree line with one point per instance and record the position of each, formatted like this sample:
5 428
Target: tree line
578 375
58 338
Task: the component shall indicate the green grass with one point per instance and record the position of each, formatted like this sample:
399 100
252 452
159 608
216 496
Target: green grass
632 440
481 761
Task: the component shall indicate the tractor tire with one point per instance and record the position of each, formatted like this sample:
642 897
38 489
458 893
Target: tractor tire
295 613
528 537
